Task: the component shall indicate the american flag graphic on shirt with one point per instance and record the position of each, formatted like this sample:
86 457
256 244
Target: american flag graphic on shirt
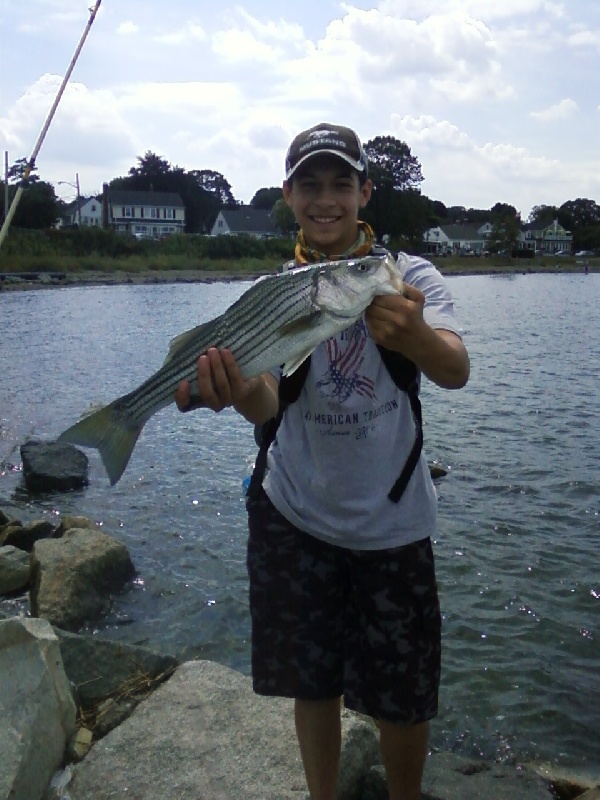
343 377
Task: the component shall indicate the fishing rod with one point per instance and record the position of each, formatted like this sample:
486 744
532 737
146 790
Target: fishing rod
31 163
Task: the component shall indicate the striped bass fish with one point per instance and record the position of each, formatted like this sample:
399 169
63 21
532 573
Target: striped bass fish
280 319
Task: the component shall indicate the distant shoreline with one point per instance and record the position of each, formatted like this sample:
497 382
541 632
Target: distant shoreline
22 281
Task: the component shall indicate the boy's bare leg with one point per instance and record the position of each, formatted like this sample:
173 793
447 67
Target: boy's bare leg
403 751
318 727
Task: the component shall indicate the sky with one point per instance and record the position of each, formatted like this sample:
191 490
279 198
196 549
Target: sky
499 100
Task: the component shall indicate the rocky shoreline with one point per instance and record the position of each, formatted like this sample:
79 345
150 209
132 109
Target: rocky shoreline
40 279
126 721
23 281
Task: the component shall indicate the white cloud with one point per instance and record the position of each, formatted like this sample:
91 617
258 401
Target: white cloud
562 110
190 33
475 87
127 28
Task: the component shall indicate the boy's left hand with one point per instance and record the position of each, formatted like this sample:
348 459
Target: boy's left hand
395 321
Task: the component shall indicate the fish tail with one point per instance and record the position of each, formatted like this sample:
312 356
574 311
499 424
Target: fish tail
114 435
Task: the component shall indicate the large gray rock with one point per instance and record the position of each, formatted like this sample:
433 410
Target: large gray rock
37 709
15 569
111 678
205 734
74 576
451 777
53 466
25 536
100 668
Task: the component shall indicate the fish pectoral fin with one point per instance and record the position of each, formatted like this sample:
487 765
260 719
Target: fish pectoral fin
294 329
300 325
292 365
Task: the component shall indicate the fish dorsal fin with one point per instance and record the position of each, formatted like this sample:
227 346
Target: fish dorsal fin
179 342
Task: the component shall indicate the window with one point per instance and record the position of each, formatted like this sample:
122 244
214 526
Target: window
128 211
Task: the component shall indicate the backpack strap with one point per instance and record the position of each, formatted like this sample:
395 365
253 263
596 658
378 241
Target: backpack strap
264 435
405 375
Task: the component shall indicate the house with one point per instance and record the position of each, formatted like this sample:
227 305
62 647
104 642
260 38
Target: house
468 238
146 214
244 220
546 239
471 239
84 212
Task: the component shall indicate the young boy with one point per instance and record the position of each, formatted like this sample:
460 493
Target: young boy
343 596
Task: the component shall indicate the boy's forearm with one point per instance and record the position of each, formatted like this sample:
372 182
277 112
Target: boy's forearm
261 403
442 357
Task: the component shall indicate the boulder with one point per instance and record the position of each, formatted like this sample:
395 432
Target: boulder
74 576
53 466
69 521
451 777
203 733
110 678
38 711
25 536
15 569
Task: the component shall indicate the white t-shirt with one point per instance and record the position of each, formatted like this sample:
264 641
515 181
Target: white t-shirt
343 443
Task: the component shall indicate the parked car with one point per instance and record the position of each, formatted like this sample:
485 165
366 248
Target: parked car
563 253
584 254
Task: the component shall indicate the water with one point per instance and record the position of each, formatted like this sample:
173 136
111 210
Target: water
519 523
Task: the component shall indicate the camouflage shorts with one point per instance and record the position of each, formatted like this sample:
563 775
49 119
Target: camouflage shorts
327 621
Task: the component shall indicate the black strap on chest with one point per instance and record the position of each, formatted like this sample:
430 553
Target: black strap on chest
404 374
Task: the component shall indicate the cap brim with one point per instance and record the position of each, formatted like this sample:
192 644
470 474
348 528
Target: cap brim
357 165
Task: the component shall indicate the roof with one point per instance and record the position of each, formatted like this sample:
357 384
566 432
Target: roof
463 232
247 219
130 197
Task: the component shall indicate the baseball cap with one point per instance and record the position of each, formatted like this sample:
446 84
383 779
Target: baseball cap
336 140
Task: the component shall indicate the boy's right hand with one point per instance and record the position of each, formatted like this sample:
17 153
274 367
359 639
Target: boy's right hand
220 383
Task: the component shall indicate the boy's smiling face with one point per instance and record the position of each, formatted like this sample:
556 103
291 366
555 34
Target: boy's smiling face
326 195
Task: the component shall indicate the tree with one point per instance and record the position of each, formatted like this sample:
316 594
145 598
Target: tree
283 217
543 215
217 185
151 167
502 211
266 198
394 171
505 233
391 164
17 171
39 207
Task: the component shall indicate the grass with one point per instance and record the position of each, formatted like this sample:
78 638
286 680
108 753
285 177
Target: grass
137 264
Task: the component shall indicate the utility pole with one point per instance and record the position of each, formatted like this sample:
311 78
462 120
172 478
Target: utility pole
5 184
78 199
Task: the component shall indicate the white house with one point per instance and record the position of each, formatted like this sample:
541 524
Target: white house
85 212
145 214
472 239
243 220
457 239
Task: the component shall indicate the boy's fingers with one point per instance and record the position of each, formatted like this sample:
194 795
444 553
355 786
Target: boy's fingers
182 395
